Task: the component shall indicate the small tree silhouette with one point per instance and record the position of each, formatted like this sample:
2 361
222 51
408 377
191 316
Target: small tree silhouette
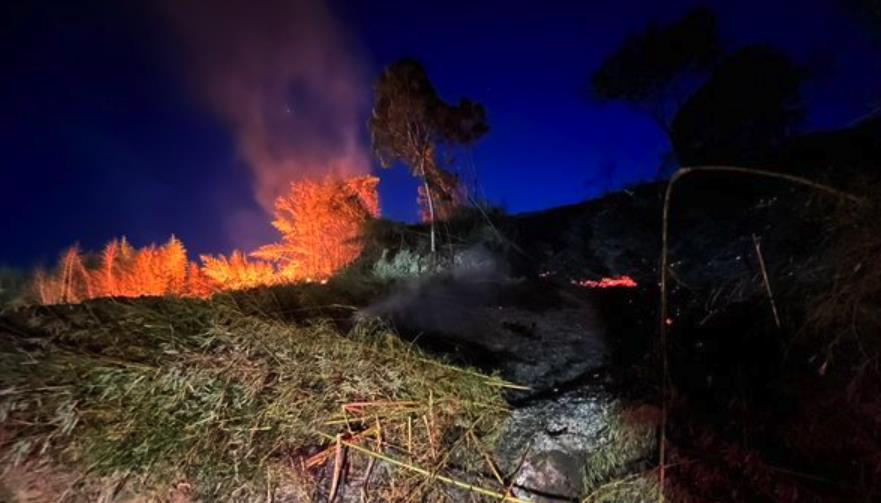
410 124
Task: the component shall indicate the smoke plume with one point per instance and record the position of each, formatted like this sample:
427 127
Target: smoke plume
282 76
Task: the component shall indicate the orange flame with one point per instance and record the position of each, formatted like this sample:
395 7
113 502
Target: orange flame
237 272
119 271
616 282
320 223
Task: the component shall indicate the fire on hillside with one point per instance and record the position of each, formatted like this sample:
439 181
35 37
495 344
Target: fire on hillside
319 222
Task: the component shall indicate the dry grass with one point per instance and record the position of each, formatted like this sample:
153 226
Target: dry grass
854 200
149 394
848 309
617 471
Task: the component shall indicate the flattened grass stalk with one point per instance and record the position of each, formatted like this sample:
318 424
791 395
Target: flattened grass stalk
159 391
428 474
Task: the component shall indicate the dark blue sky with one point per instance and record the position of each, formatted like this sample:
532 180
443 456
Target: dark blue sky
101 136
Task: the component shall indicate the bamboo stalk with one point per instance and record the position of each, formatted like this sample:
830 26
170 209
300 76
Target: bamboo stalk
486 457
488 380
767 282
337 469
410 435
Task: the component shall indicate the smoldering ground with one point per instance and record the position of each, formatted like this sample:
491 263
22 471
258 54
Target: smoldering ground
476 313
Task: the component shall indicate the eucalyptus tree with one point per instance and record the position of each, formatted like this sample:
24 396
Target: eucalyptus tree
411 124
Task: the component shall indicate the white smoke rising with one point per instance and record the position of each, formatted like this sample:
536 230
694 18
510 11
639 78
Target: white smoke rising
283 77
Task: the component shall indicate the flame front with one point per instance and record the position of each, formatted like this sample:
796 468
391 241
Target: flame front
616 282
320 224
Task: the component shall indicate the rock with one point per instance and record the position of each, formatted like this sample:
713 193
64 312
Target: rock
562 448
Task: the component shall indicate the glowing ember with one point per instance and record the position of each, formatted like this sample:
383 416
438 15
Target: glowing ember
616 282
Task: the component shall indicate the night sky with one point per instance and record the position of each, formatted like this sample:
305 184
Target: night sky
102 136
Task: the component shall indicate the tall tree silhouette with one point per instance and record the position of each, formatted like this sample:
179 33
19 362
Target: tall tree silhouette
655 70
743 113
411 124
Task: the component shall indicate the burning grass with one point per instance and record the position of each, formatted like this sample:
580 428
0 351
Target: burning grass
148 394
320 224
121 270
